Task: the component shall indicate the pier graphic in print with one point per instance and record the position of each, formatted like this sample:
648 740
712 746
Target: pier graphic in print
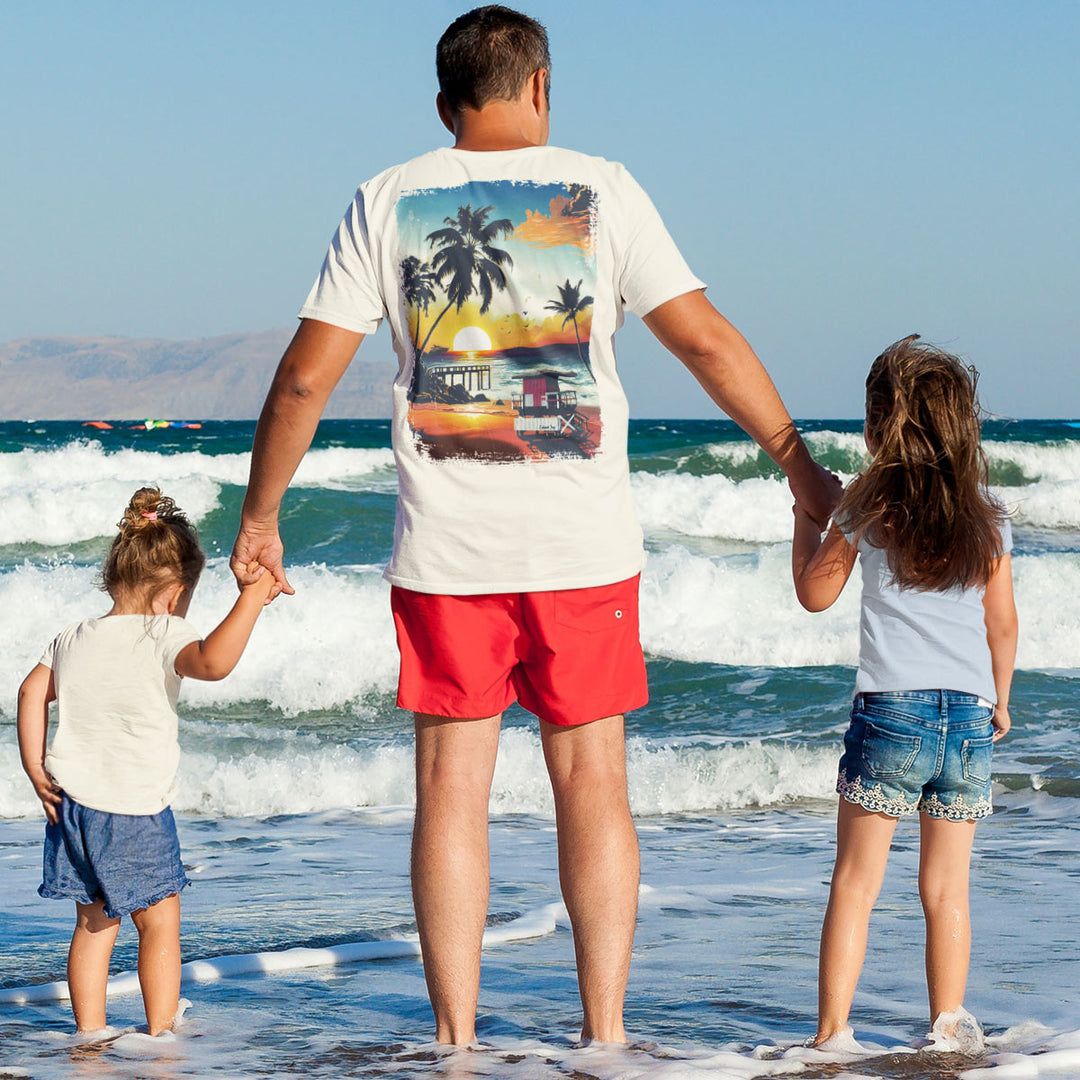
497 281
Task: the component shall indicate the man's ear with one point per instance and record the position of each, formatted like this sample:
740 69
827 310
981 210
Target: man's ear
539 91
446 114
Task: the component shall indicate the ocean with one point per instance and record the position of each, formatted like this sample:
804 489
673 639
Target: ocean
295 787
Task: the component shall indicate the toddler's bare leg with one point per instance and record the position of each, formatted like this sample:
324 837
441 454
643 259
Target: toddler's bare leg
159 961
944 861
88 964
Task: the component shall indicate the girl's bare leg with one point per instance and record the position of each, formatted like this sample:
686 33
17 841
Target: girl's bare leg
862 850
88 964
159 961
944 862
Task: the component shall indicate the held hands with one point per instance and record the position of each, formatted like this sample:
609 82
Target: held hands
259 549
259 582
818 497
1002 722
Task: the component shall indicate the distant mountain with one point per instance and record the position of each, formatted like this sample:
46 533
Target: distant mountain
219 378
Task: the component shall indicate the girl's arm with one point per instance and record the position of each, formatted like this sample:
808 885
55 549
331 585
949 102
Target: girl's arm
1001 634
37 690
820 567
220 651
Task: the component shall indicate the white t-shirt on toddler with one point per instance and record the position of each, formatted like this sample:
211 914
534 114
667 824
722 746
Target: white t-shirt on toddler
116 746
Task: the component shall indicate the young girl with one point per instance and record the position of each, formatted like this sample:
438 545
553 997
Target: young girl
938 640
106 780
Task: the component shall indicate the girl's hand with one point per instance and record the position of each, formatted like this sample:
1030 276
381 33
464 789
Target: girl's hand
48 791
261 582
1002 722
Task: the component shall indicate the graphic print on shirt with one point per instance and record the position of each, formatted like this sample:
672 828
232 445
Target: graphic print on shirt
497 281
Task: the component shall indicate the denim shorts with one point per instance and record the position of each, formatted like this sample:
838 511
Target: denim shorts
128 860
919 751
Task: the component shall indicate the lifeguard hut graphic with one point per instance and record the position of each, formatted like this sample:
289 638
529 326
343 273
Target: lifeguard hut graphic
544 409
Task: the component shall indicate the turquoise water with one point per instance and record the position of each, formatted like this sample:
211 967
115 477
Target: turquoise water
295 786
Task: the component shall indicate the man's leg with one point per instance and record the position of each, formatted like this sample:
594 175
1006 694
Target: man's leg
455 760
598 863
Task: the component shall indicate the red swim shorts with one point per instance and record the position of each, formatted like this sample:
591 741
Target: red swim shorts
569 655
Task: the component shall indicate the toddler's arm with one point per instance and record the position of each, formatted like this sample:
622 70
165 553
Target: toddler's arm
36 692
1002 630
819 567
220 651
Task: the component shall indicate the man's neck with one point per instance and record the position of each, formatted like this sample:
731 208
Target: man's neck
502 125
495 128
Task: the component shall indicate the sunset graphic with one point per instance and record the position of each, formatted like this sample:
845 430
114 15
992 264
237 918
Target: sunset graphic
497 281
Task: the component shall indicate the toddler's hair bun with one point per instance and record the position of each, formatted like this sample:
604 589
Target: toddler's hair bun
147 506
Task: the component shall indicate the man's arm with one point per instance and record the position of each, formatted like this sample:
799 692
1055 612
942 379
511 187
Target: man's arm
731 374
313 363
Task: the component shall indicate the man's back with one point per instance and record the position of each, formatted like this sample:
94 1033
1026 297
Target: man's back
505 275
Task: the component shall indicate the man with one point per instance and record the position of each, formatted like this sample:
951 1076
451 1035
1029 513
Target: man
504 267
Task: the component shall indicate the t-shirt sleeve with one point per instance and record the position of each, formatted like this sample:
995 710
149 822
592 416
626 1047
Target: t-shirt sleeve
48 657
346 292
1006 536
651 268
178 636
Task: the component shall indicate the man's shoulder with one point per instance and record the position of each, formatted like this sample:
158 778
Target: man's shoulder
445 165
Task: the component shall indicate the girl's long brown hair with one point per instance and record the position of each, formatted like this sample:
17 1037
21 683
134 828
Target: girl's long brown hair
924 495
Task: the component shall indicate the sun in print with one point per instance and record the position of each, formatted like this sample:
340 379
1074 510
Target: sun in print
471 339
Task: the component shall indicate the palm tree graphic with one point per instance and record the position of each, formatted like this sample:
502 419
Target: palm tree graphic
571 304
418 288
467 261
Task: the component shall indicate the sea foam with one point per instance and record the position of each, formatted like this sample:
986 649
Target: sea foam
225 773
332 644
78 491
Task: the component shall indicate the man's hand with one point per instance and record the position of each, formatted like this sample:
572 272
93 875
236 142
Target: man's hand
817 494
257 547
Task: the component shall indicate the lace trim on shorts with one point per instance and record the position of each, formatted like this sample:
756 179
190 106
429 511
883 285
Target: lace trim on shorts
873 798
877 802
959 810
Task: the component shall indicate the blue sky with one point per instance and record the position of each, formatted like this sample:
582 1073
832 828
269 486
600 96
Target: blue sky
841 174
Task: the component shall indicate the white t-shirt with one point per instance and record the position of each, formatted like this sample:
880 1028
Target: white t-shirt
115 746
913 639
509 273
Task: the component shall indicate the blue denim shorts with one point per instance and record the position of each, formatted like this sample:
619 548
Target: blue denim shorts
919 751
130 861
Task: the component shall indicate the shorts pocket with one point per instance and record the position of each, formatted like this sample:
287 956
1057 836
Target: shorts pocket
605 607
888 754
976 759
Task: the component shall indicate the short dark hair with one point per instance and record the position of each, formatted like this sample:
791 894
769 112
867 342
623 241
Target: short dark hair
487 54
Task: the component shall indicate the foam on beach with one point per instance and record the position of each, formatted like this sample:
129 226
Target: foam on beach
530 925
